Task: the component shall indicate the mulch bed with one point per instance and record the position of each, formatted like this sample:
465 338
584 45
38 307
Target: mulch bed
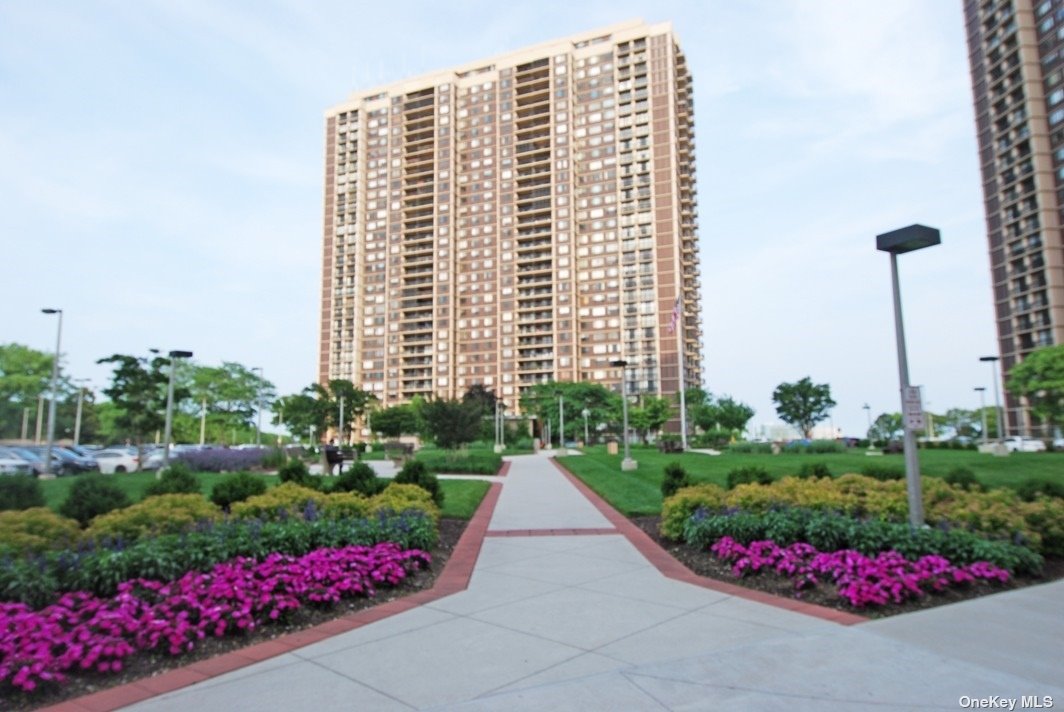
704 564
150 664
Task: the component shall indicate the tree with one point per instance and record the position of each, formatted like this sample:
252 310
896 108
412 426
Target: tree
887 427
25 374
803 404
451 423
964 423
1040 379
396 421
231 392
650 415
542 402
139 391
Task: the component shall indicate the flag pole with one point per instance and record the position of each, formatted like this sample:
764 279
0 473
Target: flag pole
678 318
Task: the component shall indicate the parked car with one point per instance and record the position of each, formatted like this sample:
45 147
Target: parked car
117 460
35 456
1058 444
81 463
1019 444
12 464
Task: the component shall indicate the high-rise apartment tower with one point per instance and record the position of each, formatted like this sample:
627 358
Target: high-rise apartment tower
523 219
1016 50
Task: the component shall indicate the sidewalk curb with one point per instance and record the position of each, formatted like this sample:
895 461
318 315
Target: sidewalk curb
671 568
454 578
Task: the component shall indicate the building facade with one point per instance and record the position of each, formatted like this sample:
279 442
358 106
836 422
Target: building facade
1016 52
525 219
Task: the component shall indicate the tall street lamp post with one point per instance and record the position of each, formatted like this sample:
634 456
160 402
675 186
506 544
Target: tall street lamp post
54 386
561 424
587 440
627 463
77 415
897 242
258 407
1002 421
174 355
982 410
868 414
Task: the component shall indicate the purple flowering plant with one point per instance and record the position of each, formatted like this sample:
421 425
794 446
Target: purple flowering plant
861 580
88 633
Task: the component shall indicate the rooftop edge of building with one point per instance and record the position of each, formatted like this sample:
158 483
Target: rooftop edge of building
619 32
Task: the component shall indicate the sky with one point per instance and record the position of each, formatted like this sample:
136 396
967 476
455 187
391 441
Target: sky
161 178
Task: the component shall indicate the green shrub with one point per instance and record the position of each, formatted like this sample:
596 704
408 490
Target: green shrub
178 478
415 472
296 472
1030 489
677 509
237 488
398 498
825 447
675 478
20 492
38 581
748 475
274 459
749 448
36 529
161 514
90 496
360 477
284 501
883 472
828 531
963 478
346 505
810 470
460 462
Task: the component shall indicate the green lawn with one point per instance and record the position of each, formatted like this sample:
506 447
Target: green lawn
461 497
639 492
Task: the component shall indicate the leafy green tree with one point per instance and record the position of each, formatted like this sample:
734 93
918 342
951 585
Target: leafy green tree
397 421
963 423
1040 379
138 391
650 415
542 402
724 413
231 393
25 374
451 423
888 426
803 404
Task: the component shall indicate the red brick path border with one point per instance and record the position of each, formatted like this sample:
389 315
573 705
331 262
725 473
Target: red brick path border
454 578
670 567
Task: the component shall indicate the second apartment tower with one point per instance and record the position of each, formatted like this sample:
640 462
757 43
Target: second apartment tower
520 220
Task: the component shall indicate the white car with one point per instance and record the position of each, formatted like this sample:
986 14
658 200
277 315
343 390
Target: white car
112 461
12 465
1017 444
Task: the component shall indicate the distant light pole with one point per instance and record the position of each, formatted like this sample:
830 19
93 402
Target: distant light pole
25 423
897 242
77 415
868 413
587 439
561 424
40 419
627 463
54 386
982 409
1002 420
500 425
341 429
174 355
258 407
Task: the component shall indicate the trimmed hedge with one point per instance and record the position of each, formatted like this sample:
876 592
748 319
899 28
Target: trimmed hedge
91 496
163 514
35 530
998 513
20 492
460 462
827 531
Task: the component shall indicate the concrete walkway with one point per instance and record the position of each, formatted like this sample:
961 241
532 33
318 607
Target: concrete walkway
564 612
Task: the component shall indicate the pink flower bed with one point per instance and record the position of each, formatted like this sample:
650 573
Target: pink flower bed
86 633
861 580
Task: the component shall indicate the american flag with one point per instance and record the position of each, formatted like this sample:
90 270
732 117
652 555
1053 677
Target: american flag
675 316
